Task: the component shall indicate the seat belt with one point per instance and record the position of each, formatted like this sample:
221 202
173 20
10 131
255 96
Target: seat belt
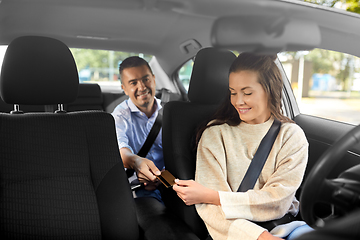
258 162
254 170
260 157
154 132
151 137
145 148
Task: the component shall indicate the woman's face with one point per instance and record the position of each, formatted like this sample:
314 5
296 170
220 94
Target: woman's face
248 97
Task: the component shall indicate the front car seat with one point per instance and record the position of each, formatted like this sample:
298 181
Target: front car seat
61 175
208 87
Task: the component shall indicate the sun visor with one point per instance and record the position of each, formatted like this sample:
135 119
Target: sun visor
265 34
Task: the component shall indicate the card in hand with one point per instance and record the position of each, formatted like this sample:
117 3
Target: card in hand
166 178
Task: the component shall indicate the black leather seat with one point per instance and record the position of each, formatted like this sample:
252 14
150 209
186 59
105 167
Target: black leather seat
61 175
208 87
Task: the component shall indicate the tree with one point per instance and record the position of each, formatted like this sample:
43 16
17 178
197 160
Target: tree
100 58
351 5
335 63
101 64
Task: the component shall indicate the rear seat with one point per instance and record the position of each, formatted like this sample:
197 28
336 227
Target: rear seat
89 97
111 100
7 108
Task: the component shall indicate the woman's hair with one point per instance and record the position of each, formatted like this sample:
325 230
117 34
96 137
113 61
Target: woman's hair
269 77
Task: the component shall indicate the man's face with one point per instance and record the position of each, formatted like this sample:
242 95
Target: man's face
139 84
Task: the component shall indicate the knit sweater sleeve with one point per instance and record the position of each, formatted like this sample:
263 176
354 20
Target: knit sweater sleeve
211 172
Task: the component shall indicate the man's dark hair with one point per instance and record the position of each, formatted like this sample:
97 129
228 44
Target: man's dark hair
133 61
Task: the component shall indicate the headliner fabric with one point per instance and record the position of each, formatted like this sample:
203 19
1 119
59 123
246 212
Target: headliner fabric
209 81
38 71
62 177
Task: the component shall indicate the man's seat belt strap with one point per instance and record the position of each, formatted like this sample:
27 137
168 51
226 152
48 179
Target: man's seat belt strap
150 139
154 132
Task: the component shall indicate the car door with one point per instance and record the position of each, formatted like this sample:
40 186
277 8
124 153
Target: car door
321 132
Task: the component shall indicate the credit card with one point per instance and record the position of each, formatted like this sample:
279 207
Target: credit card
166 178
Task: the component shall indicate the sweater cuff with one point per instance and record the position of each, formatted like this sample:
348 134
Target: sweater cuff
235 205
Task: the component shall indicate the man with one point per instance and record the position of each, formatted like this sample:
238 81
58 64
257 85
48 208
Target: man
134 119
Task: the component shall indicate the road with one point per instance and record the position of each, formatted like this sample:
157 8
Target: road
344 110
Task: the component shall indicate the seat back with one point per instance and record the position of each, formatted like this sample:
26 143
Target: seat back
89 98
208 87
61 175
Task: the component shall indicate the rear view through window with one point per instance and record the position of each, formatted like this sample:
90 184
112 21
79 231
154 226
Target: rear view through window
101 66
325 83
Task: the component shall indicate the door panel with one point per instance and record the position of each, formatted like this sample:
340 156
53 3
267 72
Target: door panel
321 134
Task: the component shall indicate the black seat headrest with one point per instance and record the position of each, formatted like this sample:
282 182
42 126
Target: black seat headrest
209 81
38 71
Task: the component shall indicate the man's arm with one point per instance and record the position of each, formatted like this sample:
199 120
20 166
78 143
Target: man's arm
145 168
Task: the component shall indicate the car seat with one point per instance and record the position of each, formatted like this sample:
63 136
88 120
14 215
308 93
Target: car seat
61 175
208 87
89 98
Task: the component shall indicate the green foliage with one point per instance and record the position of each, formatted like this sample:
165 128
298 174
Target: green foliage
323 61
329 3
90 58
334 63
351 5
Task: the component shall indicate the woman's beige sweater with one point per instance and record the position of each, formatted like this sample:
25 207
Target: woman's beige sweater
223 157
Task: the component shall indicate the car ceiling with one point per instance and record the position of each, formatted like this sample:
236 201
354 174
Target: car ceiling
158 27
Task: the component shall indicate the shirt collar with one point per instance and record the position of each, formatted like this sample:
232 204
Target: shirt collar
134 108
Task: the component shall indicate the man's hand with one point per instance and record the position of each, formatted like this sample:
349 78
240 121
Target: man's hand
144 168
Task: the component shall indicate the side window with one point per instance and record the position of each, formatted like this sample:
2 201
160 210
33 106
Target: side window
185 73
101 66
2 54
325 83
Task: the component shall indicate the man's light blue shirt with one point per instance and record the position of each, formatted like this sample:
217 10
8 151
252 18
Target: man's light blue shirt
133 127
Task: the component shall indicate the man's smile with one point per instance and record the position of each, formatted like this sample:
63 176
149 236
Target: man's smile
143 94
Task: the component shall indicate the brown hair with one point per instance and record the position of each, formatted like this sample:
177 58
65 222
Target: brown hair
269 77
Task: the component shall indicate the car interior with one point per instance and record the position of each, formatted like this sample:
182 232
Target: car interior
58 163
61 173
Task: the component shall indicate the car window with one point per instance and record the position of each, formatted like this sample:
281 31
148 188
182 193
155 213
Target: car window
325 83
185 73
2 53
101 66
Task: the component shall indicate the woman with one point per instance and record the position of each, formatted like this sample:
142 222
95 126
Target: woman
227 146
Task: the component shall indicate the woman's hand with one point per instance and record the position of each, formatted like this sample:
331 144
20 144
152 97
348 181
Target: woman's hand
192 192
